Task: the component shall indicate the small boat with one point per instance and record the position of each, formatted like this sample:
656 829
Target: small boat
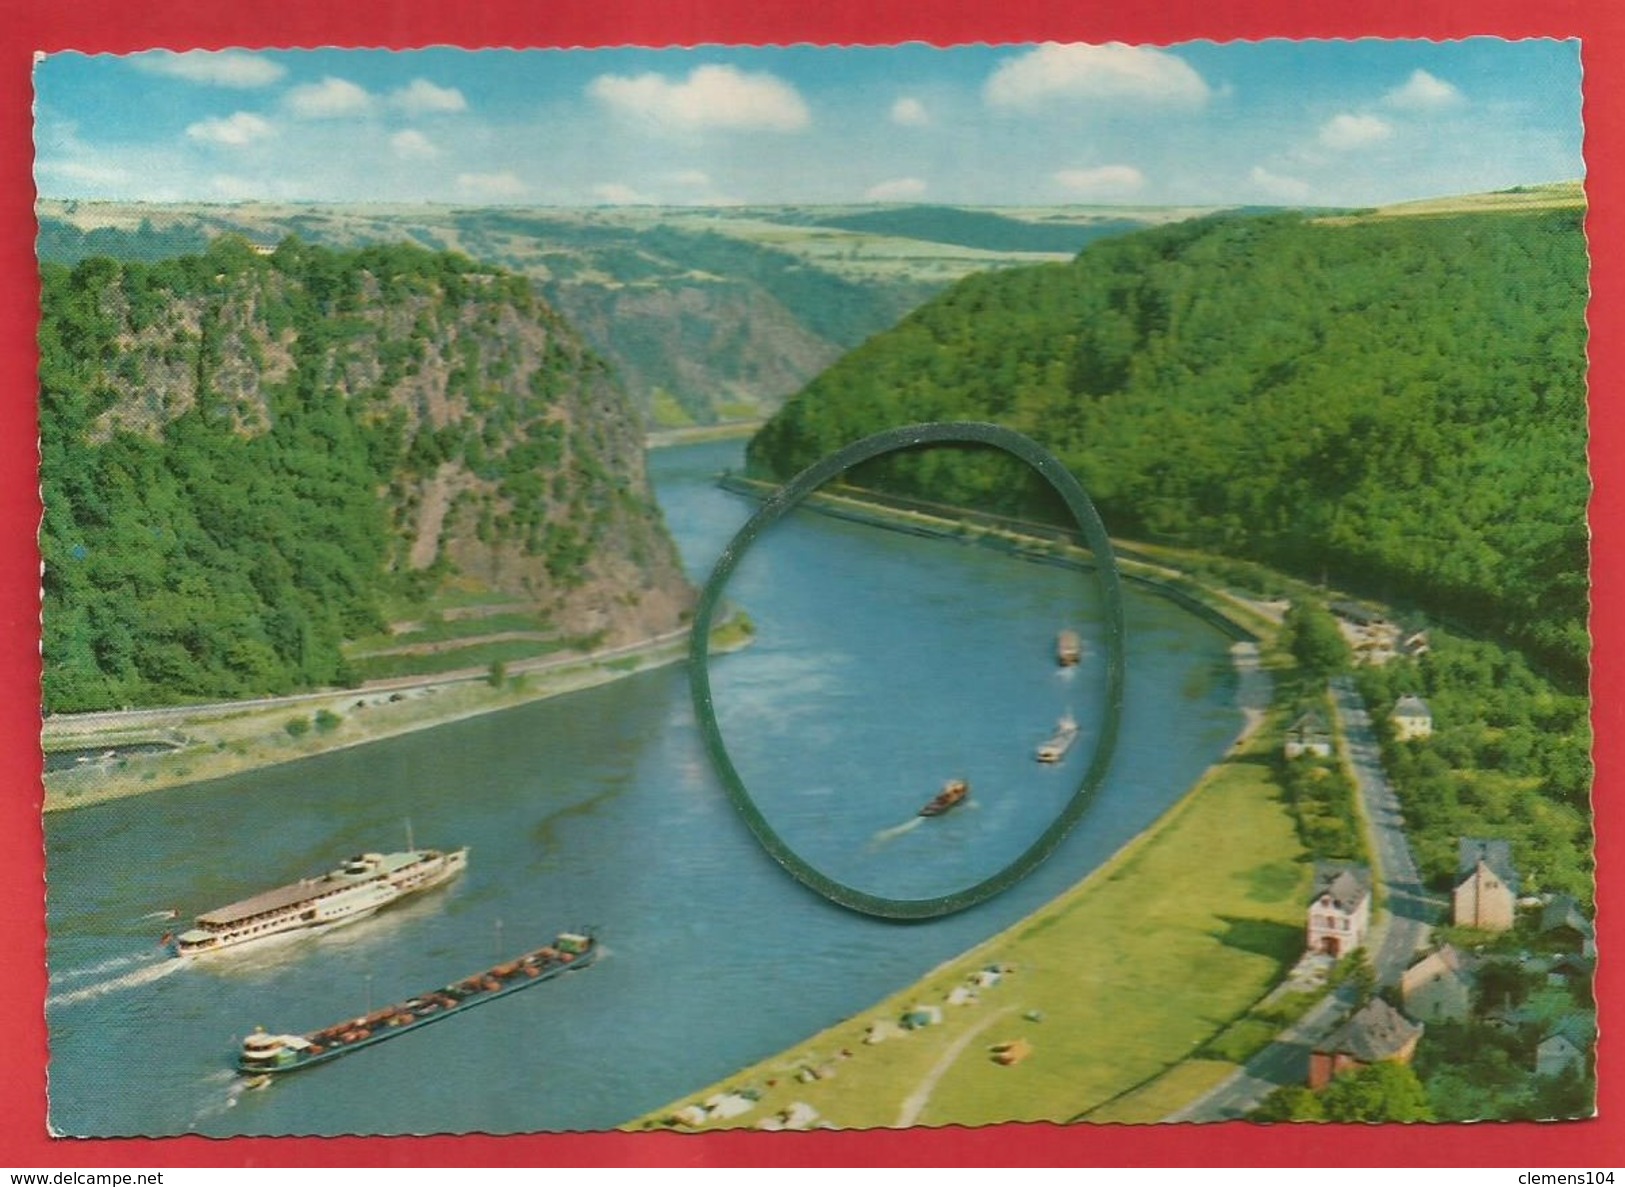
953 794
1066 733
265 1054
362 885
1068 648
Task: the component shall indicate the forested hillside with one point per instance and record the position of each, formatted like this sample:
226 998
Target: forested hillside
245 456
1394 404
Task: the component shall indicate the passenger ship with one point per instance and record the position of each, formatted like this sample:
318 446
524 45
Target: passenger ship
357 888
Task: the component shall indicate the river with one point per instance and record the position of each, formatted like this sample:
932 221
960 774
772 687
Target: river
884 663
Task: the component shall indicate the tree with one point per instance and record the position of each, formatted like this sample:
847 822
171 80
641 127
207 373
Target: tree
1566 1096
1292 1103
1380 1092
1315 640
1501 984
1355 969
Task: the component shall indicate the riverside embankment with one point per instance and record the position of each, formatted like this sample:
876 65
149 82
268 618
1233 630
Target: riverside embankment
95 757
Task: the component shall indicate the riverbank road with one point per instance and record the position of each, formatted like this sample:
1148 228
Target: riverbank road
1285 1061
1411 912
62 728
1407 917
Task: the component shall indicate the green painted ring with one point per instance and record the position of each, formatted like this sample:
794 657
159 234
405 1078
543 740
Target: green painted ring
786 499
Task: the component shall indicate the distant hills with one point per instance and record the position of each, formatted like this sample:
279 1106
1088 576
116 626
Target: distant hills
706 314
982 229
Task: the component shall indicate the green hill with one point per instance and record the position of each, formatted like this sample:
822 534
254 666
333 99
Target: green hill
1396 404
246 457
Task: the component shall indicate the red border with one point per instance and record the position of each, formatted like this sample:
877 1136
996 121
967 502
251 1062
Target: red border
118 25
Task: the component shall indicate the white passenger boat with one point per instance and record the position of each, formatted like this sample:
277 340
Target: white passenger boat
357 888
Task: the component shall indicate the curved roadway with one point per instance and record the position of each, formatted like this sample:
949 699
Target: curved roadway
1392 943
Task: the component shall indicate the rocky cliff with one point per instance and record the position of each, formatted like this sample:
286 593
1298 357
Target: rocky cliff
309 437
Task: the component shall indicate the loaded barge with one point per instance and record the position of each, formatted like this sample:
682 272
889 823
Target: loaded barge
268 1053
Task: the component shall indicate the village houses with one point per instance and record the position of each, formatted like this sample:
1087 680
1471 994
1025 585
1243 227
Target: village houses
1412 719
1340 911
1308 735
1562 920
1565 1047
1378 1033
1439 987
1486 889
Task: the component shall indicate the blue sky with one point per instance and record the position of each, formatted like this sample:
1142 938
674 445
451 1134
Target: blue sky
1348 123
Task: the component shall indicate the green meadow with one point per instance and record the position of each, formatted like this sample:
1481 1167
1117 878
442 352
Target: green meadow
1111 986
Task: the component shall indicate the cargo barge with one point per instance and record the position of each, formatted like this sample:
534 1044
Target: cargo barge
1054 750
263 1053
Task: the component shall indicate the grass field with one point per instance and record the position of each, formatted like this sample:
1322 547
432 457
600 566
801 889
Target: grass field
1112 985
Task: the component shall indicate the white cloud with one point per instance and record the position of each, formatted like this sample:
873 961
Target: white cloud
1354 131
895 190
909 112
1423 92
614 193
225 68
692 177
332 98
413 145
232 131
1278 186
1103 181
422 97
485 186
1055 73
711 97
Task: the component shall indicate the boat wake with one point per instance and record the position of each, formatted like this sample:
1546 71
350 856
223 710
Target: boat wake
891 834
102 968
155 971
235 1087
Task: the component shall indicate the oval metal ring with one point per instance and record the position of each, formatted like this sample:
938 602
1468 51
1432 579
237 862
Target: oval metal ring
785 500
